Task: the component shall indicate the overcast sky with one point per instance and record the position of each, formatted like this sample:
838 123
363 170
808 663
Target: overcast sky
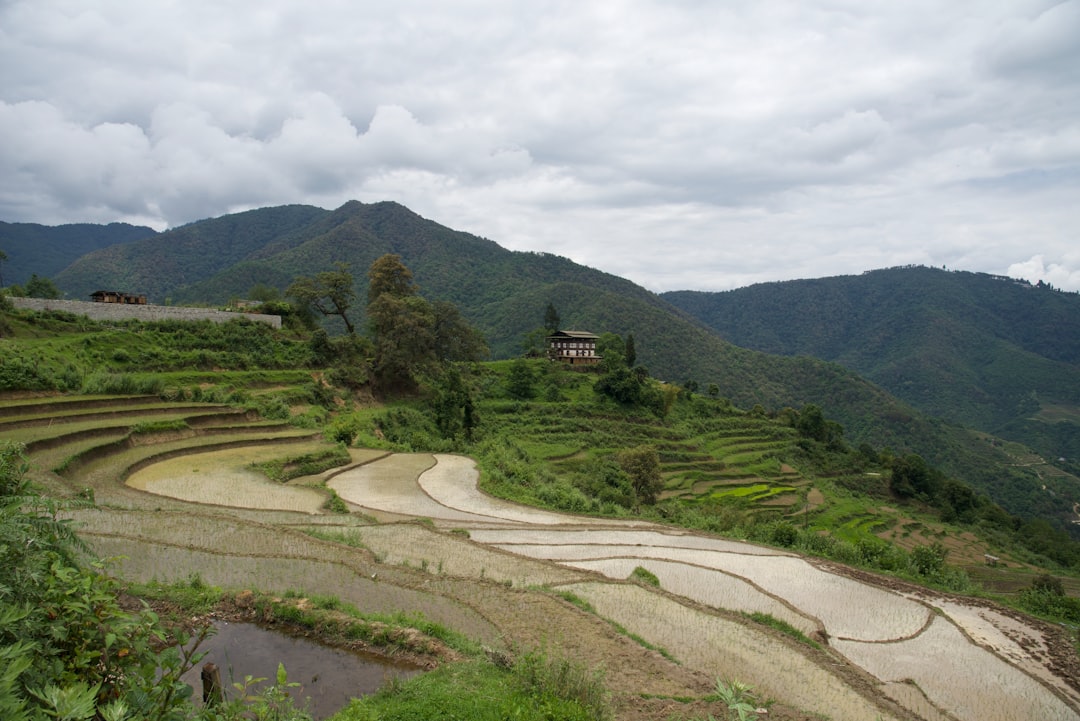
701 144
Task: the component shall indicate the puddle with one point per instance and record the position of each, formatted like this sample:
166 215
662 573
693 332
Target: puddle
329 677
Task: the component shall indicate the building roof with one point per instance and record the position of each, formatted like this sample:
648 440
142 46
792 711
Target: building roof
579 334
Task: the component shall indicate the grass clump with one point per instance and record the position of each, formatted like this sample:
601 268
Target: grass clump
535 688
308 464
645 576
783 627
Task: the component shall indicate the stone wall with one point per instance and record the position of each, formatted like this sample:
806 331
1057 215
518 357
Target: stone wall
123 311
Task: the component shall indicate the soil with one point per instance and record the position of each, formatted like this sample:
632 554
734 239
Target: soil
645 684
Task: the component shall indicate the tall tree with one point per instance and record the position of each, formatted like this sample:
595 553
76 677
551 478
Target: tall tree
41 287
551 319
455 339
401 324
642 464
388 274
631 351
330 292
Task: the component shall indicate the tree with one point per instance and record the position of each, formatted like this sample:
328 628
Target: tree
330 292
3 259
642 465
388 275
39 287
402 330
401 325
551 319
455 339
520 381
631 351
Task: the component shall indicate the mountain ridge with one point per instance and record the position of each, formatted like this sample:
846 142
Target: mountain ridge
504 293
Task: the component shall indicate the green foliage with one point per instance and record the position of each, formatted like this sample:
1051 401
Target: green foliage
783 627
67 648
551 319
1046 597
740 699
642 465
520 381
38 287
476 690
645 576
307 464
329 292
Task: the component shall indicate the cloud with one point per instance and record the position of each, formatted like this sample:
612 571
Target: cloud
680 144
1065 274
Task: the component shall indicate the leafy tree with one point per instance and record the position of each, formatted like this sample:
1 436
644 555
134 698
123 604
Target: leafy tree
551 319
403 331
912 477
642 465
631 351
455 410
401 324
388 275
455 339
612 351
520 381
40 287
330 292
3 259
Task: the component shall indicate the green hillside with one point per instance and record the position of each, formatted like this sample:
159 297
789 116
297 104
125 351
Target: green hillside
982 351
46 250
504 294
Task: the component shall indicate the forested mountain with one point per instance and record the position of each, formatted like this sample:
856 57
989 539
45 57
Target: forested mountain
505 293
983 351
46 250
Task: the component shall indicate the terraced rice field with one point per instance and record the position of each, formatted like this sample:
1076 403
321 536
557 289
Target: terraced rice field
174 505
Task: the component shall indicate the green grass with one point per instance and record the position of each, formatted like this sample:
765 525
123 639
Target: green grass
478 690
783 627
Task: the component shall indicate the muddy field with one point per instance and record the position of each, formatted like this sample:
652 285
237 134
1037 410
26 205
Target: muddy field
505 574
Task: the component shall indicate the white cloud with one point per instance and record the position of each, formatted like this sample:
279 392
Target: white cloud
680 144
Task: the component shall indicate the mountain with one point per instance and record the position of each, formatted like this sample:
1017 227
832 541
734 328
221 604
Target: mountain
505 293
989 352
46 250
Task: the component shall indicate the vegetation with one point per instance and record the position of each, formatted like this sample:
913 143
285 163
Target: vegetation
986 352
613 441
1012 383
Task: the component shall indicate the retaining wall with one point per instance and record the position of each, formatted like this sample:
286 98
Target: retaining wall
124 311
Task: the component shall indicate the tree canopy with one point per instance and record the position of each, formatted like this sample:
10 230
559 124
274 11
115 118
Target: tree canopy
330 292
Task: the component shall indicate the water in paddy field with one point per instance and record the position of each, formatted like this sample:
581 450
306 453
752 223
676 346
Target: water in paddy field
328 677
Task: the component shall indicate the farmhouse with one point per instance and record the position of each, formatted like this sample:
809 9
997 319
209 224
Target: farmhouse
576 347
115 296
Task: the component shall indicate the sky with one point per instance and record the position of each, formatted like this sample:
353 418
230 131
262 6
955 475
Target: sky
682 144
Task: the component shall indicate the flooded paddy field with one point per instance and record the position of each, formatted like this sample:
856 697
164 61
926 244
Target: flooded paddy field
451 554
328 678
224 478
727 649
706 587
967 680
891 653
145 562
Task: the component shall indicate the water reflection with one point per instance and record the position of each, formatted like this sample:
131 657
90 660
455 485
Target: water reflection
328 677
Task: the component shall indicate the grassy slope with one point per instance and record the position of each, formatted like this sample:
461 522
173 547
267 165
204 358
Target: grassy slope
505 293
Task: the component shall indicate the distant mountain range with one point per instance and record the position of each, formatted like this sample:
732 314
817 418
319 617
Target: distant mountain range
934 349
989 352
46 250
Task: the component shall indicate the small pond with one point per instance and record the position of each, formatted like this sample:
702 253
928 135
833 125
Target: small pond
329 677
